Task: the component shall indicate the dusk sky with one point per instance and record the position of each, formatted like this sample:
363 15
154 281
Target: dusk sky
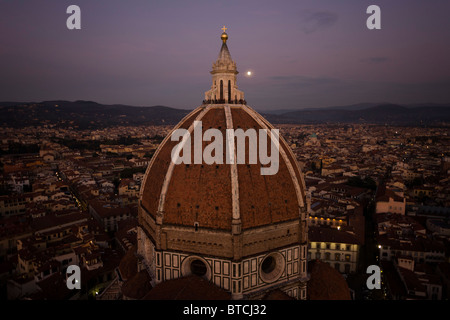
313 53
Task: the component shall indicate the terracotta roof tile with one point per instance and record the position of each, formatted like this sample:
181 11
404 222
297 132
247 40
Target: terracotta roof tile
327 234
128 264
138 286
326 283
187 288
277 294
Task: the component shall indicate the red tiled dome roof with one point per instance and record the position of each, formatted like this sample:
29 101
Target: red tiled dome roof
138 286
128 264
326 283
277 294
202 193
187 288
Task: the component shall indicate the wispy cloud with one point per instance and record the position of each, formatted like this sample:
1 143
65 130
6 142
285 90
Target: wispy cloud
318 20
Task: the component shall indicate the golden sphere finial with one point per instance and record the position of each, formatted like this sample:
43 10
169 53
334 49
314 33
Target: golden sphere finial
224 35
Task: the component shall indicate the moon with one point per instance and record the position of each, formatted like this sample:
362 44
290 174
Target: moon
249 73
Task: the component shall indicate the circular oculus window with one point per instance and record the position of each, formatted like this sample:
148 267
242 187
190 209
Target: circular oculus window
198 267
272 267
195 265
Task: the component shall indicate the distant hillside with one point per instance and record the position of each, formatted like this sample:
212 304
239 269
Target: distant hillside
91 115
358 106
85 114
380 114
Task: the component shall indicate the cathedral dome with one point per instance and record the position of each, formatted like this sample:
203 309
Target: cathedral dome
223 198
201 195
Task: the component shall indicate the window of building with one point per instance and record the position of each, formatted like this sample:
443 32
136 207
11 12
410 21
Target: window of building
268 265
347 268
198 267
337 257
272 267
